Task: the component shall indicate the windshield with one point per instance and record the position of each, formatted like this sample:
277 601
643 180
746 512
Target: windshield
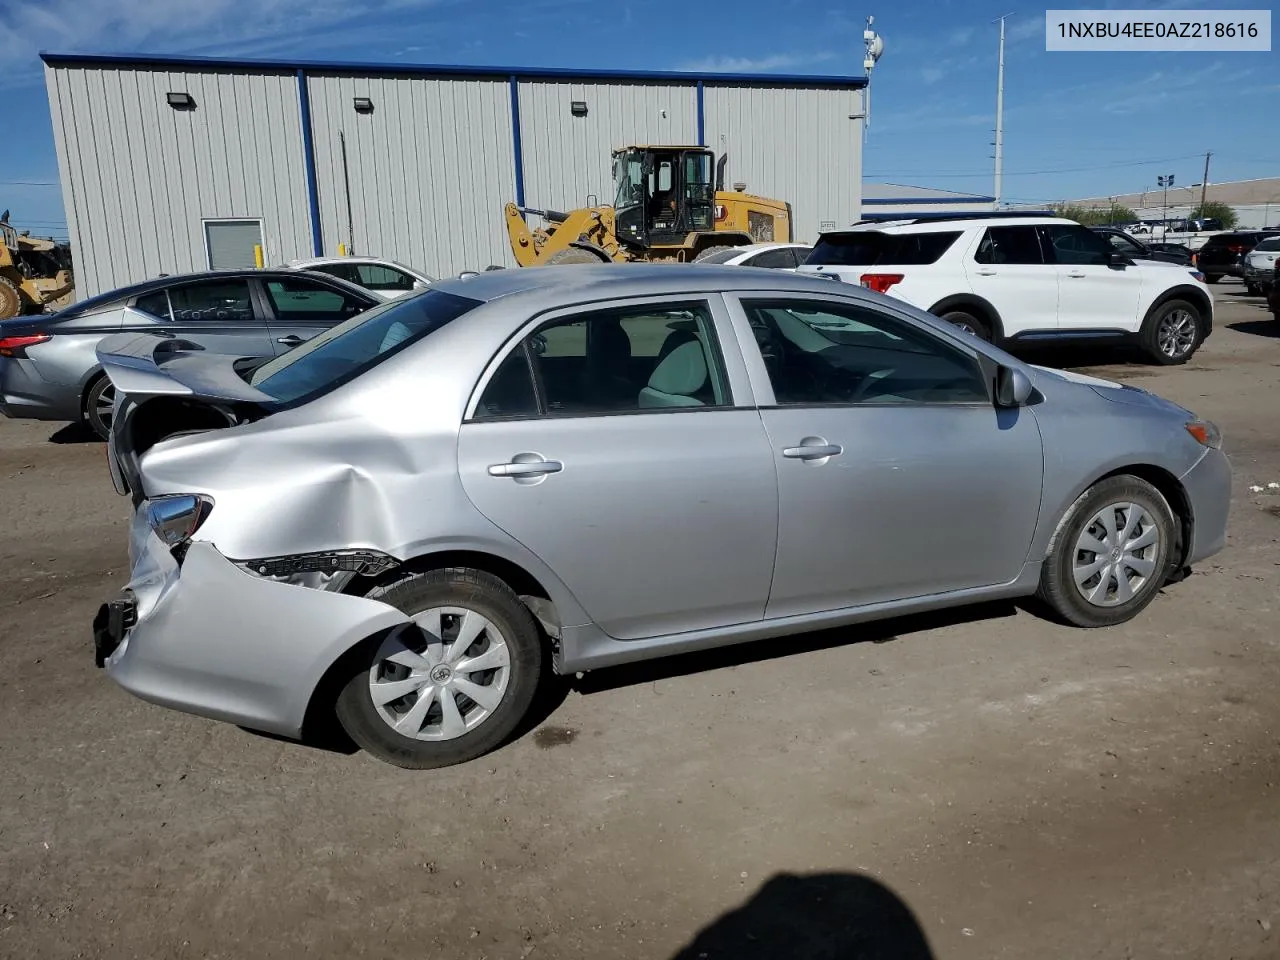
349 349
628 180
1268 245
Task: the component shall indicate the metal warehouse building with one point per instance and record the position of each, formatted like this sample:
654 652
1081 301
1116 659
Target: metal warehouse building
174 164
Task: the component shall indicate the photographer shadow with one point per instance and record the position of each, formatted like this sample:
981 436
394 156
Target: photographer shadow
823 916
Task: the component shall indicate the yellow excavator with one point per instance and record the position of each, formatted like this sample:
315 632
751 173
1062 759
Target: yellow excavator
665 208
32 272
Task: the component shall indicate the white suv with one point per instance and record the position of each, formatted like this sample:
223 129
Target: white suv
1020 278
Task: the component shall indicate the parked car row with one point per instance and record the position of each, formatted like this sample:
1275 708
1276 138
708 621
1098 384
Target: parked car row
1000 278
412 517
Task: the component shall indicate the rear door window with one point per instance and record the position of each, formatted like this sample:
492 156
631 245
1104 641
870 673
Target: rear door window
869 248
780 258
227 301
375 276
1010 245
1077 245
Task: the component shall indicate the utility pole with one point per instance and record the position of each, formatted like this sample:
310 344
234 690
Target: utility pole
1204 182
1166 183
999 144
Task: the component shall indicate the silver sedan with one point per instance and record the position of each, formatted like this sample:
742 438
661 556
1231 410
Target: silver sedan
417 514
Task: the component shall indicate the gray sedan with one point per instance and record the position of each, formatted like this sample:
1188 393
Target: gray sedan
417 514
49 370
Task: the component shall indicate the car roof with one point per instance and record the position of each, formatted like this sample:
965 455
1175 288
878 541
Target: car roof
753 247
940 224
566 284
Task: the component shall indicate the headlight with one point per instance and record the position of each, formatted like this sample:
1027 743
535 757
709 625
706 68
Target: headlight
1205 433
174 519
1197 275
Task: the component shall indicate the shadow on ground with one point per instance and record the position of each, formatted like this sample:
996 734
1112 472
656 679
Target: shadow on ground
74 433
1259 328
825 916
879 631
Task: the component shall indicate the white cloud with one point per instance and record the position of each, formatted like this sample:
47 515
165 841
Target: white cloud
775 61
960 37
1018 29
102 26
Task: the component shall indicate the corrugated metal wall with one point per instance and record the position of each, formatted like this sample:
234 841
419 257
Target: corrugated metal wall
567 158
430 168
796 144
138 177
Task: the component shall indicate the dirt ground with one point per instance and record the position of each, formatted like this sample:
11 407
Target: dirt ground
978 785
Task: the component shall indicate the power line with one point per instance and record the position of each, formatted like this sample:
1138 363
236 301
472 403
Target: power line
30 183
1037 173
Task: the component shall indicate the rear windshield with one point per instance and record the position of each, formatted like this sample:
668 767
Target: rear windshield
1230 239
720 256
870 248
1273 243
354 346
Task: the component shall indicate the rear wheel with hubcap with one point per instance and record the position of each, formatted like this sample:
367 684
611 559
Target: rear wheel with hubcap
98 404
968 323
1111 555
1172 332
453 685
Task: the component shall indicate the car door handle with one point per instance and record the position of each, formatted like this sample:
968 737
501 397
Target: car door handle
1077 274
813 448
292 340
525 468
986 273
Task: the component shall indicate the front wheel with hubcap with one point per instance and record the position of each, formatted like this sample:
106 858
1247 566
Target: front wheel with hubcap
1172 332
454 684
1112 553
99 402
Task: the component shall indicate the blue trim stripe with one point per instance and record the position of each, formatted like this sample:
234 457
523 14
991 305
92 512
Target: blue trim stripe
516 145
956 198
702 115
309 161
444 70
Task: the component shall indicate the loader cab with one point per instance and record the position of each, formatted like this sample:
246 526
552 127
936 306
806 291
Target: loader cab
662 194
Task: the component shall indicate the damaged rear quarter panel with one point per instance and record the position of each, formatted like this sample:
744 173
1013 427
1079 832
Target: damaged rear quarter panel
372 465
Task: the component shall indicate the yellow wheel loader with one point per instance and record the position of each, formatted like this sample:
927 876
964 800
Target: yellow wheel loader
31 273
665 208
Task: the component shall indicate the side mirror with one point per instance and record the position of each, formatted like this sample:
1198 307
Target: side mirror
468 274
419 285
1013 387
1118 260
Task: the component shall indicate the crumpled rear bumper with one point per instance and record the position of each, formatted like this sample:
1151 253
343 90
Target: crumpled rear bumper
211 639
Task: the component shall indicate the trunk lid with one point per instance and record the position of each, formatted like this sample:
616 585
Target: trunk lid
168 387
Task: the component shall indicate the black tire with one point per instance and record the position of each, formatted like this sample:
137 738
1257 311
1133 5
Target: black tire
413 593
970 323
10 299
1252 289
97 401
1173 313
1058 587
1212 277
572 256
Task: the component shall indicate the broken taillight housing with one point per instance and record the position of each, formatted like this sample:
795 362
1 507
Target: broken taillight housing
368 563
15 345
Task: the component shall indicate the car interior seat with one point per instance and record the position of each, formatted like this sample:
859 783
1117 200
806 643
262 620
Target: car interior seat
678 378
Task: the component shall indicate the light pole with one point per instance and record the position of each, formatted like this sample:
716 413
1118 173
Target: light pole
1166 183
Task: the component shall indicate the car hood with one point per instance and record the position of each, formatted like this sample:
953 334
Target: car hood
1109 390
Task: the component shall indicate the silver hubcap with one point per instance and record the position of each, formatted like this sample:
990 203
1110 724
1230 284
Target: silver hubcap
1177 333
444 681
106 401
965 327
1116 554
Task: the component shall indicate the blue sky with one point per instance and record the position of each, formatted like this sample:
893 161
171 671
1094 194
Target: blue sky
1076 124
